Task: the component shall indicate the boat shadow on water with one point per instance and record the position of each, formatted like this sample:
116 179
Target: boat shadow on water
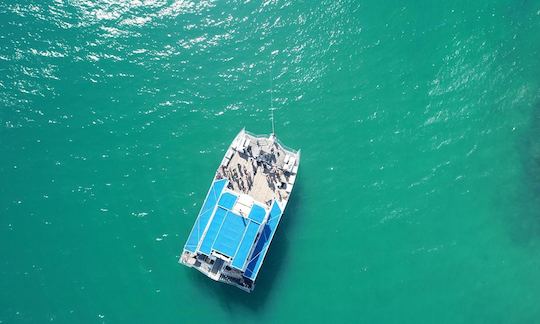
526 222
271 271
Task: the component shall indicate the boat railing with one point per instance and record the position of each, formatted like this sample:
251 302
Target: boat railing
277 140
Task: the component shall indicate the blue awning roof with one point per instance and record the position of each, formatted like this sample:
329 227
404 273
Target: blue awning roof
231 234
213 231
227 200
263 243
242 254
257 214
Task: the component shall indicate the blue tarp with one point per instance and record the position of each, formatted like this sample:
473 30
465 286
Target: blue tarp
245 246
257 214
227 200
263 243
204 215
213 231
231 233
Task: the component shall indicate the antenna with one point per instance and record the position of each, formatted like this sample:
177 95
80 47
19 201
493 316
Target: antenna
272 101
273 127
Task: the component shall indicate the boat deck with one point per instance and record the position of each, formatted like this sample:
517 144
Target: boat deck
258 171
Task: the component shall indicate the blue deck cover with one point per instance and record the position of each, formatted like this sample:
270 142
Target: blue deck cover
230 234
227 200
241 256
204 214
259 253
213 231
257 214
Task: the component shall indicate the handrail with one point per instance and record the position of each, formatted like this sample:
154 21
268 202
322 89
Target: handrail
276 139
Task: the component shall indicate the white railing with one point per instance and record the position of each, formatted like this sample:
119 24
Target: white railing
277 140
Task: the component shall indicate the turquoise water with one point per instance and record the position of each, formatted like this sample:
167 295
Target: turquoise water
418 197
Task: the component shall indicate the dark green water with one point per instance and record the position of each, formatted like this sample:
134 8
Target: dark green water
418 199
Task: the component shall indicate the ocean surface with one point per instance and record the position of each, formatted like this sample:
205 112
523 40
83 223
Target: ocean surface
418 196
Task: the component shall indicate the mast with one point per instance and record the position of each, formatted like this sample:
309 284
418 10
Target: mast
272 103
273 127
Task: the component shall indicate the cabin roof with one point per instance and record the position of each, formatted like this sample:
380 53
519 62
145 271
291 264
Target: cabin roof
234 227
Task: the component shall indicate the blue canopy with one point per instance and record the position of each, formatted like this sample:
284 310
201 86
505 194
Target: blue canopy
227 200
257 214
231 234
263 243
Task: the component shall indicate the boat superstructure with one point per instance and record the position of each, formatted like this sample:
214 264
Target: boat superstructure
242 210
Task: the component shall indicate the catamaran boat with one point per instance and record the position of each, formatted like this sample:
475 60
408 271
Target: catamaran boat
242 210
